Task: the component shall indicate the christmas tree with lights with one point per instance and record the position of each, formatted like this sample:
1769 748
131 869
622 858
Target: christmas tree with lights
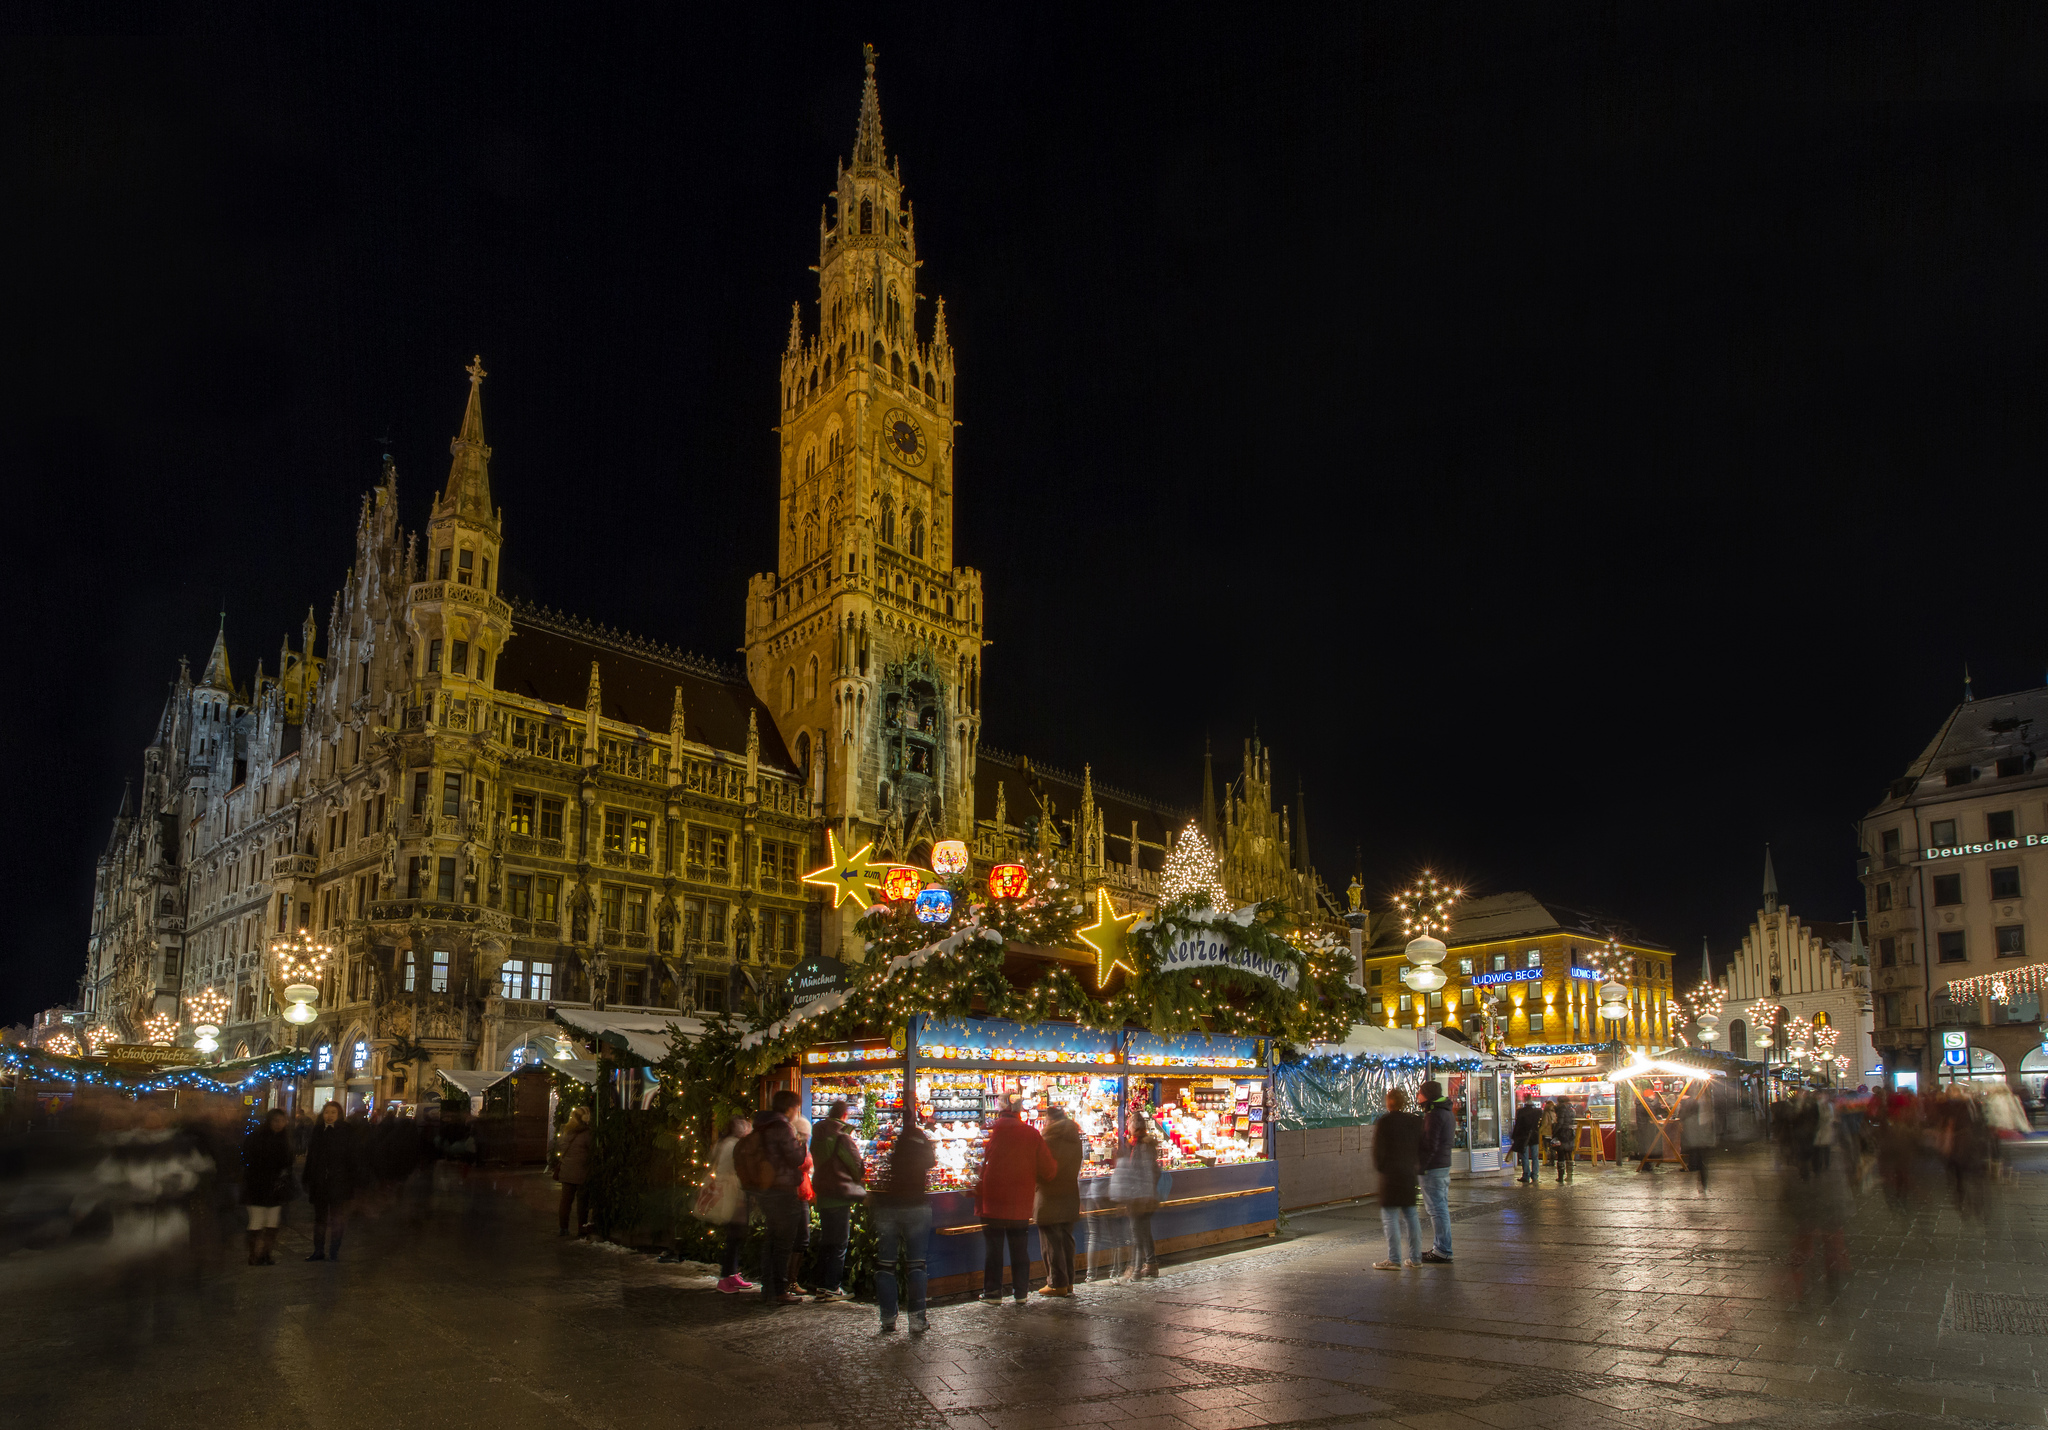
1192 875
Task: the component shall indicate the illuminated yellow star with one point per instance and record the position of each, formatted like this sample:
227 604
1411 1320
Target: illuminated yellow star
849 876
1109 936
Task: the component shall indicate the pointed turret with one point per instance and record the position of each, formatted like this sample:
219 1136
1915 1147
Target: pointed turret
675 739
1770 883
469 473
593 704
868 151
217 676
1706 963
1208 793
796 328
1968 694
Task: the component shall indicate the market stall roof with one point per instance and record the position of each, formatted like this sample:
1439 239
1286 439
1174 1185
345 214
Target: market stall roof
584 1070
1659 1067
830 1002
1368 1040
644 1035
473 1083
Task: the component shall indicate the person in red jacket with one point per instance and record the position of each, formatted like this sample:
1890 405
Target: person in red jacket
1014 1160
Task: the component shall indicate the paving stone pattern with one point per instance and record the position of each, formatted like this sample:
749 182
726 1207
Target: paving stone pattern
1619 1300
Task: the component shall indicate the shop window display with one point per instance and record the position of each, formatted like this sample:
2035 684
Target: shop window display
1207 1121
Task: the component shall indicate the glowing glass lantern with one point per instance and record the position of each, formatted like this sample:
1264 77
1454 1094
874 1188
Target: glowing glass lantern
1008 881
934 906
949 857
902 882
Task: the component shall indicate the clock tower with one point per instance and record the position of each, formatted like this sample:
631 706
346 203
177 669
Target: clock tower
866 639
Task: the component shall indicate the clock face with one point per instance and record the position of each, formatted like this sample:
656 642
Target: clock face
904 436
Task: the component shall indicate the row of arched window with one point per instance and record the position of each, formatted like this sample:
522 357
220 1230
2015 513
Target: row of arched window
821 375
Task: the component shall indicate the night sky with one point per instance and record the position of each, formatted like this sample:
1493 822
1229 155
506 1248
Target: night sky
1586 444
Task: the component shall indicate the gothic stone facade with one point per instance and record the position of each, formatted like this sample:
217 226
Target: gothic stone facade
487 806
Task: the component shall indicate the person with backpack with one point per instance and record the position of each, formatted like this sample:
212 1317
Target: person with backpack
770 1162
1439 1132
902 1214
722 1202
1527 1138
838 1179
572 1171
1014 1160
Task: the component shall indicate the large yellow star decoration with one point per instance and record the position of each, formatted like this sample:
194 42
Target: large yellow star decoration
1110 937
849 876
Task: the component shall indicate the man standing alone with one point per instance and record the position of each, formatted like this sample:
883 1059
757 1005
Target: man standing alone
1436 1169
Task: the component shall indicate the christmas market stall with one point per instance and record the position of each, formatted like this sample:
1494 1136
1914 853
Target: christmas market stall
1325 1102
1654 1088
45 1087
976 988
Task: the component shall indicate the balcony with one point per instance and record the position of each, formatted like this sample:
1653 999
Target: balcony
428 911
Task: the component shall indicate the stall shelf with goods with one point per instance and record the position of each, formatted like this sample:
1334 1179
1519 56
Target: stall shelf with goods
1326 1100
1208 1096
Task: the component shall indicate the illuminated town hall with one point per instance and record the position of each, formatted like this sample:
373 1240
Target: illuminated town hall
484 805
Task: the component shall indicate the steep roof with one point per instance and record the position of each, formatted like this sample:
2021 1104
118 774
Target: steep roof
549 659
1520 914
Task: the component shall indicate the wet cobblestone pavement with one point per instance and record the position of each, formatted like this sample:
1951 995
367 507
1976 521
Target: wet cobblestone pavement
1622 1300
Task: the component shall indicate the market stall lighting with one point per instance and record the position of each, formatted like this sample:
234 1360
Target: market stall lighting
1658 1067
36 1066
159 1029
849 876
934 906
1008 881
902 883
98 1038
949 857
206 1009
63 1045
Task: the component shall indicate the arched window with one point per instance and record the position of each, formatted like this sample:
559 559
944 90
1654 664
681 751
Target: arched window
915 595
928 385
811 681
942 392
803 755
867 216
889 525
842 354
881 353
789 690
917 533
949 607
896 364
913 374
883 794
1738 1038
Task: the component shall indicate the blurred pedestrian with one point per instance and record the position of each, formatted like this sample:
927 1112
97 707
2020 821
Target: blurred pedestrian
1134 1182
723 1203
1014 1160
777 1183
1526 1138
1564 1138
901 1213
1696 1131
332 1169
1058 1203
1650 1115
1397 1157
1439 1132
266 1183
572 1171
839 1179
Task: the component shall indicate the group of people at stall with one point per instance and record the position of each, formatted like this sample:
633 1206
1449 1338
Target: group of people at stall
777 1166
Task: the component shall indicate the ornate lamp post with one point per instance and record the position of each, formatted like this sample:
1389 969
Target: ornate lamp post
206 1009
300 959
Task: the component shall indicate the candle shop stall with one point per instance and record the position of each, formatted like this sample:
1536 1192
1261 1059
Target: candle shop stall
1208 1096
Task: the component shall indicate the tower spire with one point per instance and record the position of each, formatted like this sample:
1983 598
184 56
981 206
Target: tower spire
867 137
1968 695
1770 883
1706 963
217 664
1208 793
469 473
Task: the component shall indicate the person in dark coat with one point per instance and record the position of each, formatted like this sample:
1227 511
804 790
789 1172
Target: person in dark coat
1439 1136
1397 1157
838 1177
266 1182
1058 1203
1526 1138
1564 1138
572 1171
782 1202
333 1173
1014 1160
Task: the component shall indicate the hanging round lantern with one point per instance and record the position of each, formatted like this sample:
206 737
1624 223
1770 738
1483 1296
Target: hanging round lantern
1426 979
1008 881
1426 951
949 857
934 906
1613 1000
902 882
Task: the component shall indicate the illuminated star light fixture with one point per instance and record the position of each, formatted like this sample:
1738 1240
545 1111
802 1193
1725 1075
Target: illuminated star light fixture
158 1029
63 1045
98 1038
206 1009
1425 908
301 959
1609 961
1764 1017
1703 1005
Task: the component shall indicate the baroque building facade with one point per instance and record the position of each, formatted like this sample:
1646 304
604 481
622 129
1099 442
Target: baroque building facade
486 806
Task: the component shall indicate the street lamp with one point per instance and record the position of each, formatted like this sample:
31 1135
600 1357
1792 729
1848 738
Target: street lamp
206 1009
301 959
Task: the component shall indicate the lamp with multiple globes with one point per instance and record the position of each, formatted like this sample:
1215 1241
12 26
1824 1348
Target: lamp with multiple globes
206 1009
301 959
1423 955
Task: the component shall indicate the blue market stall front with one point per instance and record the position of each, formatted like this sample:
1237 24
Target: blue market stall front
1209 1095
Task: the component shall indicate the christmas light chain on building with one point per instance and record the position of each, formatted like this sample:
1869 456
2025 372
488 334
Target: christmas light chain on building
1191 872
2002 986
40 1067
1425 906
